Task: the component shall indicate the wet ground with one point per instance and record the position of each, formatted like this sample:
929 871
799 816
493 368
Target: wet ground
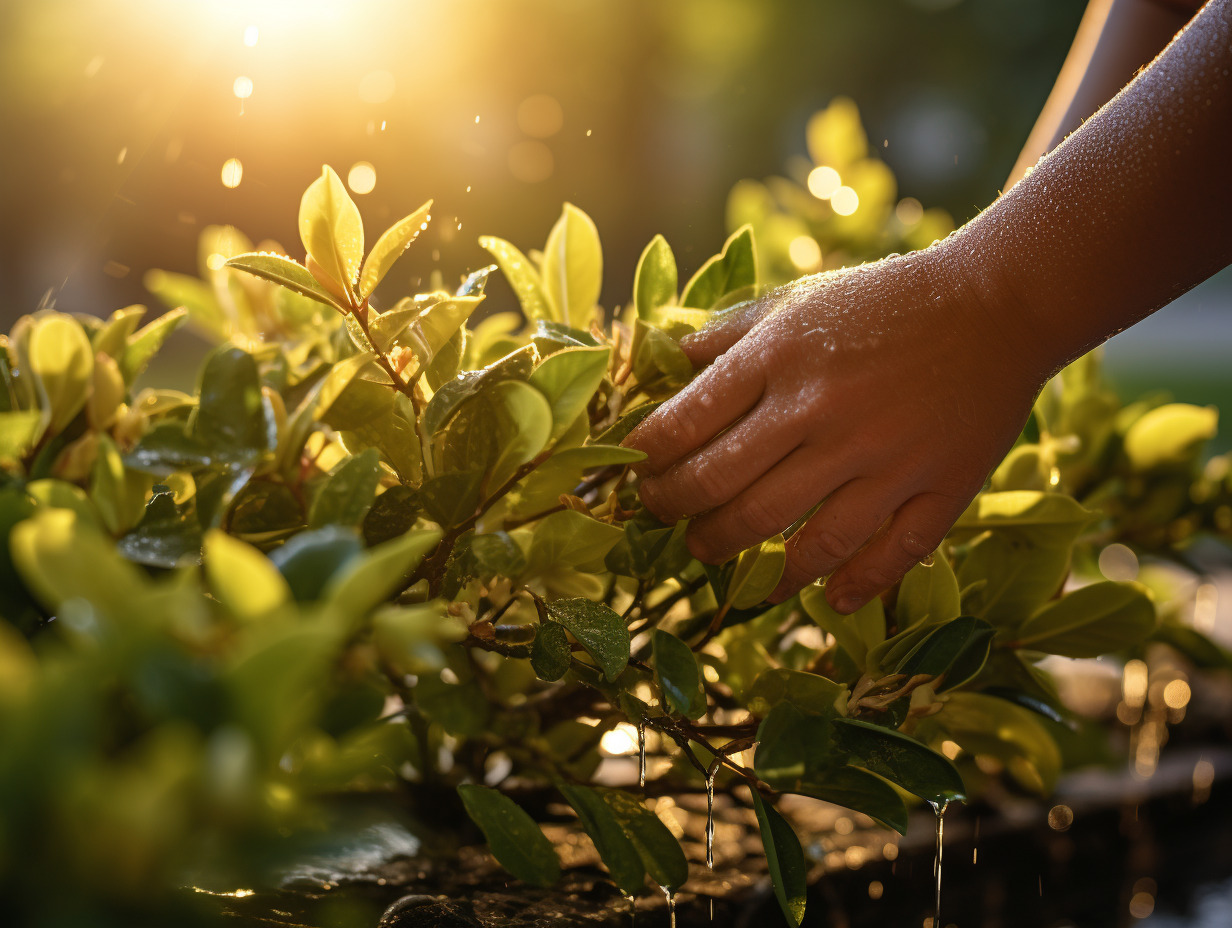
1112 849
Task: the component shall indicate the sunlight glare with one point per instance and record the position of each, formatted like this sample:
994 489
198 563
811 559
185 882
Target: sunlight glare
232 173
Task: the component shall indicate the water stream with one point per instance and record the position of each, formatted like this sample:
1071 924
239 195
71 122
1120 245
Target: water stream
939 809
641 755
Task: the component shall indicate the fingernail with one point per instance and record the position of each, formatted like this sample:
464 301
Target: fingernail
847 603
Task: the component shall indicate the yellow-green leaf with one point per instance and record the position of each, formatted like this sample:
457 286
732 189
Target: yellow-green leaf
757 573
521 274
62 359
1170 436
928 593
390 246
286 273
573 267
243 579
654 283
569 379
331 229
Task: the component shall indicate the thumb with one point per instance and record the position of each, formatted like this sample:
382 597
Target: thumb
722 330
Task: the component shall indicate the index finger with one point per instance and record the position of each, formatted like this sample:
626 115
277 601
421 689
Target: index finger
716 398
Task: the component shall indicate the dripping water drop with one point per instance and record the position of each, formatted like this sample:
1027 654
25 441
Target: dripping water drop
641 755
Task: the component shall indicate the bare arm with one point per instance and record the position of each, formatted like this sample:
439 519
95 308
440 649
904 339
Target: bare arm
888 392
1115 39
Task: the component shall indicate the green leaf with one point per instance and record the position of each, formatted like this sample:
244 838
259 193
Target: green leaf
573 267
1053 516
347 495
393 513
549 654
1090 621
145 343
521 274
901 760
793 745
361 583
569 379
660 852
61 358
18 431
167 536
982 724
615 848
1170 436
230 414
677 674
617 432
516 841
655 282
860 791
179 291
114 335
287 273
118 493
242 578
809 692
453 497
390 246
561 473
1196 646
1008 576
568 539
757 573
785 858
731 269
317 403
61 557
331 229
310 559
856 633
928 593
598 629
433 328
657 355
961 645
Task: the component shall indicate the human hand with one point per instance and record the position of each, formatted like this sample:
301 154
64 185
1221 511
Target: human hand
888 391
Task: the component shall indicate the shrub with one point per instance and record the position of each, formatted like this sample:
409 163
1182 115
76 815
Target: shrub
379 550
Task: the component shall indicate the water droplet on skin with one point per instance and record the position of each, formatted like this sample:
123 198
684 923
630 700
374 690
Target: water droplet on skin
928 561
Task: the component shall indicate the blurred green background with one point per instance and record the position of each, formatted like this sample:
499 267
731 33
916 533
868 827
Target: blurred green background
119 116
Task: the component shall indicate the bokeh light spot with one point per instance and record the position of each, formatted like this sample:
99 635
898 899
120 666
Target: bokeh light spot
531 162
242 87
1118 562
909 211
805 253
362 177
251 34
823 181
1176 694
1060 818
844 201
619 741
540 116
377 87
232 172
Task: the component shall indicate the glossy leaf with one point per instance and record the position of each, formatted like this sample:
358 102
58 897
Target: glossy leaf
573 267
731 269
900 759
961 645
521 274
568 539
678 675
616 849
515 840
550 653
331 229
655 281
285 272
569 379
785 858
618 431
598 629
310 559
231 419
1090 621
62 359
347 495
145 343
242 578
809 692
390 246
757 572
661 853
861 792
928 592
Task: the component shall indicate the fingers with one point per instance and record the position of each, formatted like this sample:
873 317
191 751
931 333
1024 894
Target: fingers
776 500
722 468
843 524
715 399
912 535
724 329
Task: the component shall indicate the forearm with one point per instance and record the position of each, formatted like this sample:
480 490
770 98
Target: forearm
1132 210
1114 40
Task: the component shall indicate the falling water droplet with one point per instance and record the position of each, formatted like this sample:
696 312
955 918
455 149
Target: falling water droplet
939 809
710 775
928 561
641 754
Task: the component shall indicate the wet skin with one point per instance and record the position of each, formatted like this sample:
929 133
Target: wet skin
888 392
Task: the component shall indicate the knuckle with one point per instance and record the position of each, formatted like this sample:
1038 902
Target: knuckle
824 546
708 484
756 518
678 423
